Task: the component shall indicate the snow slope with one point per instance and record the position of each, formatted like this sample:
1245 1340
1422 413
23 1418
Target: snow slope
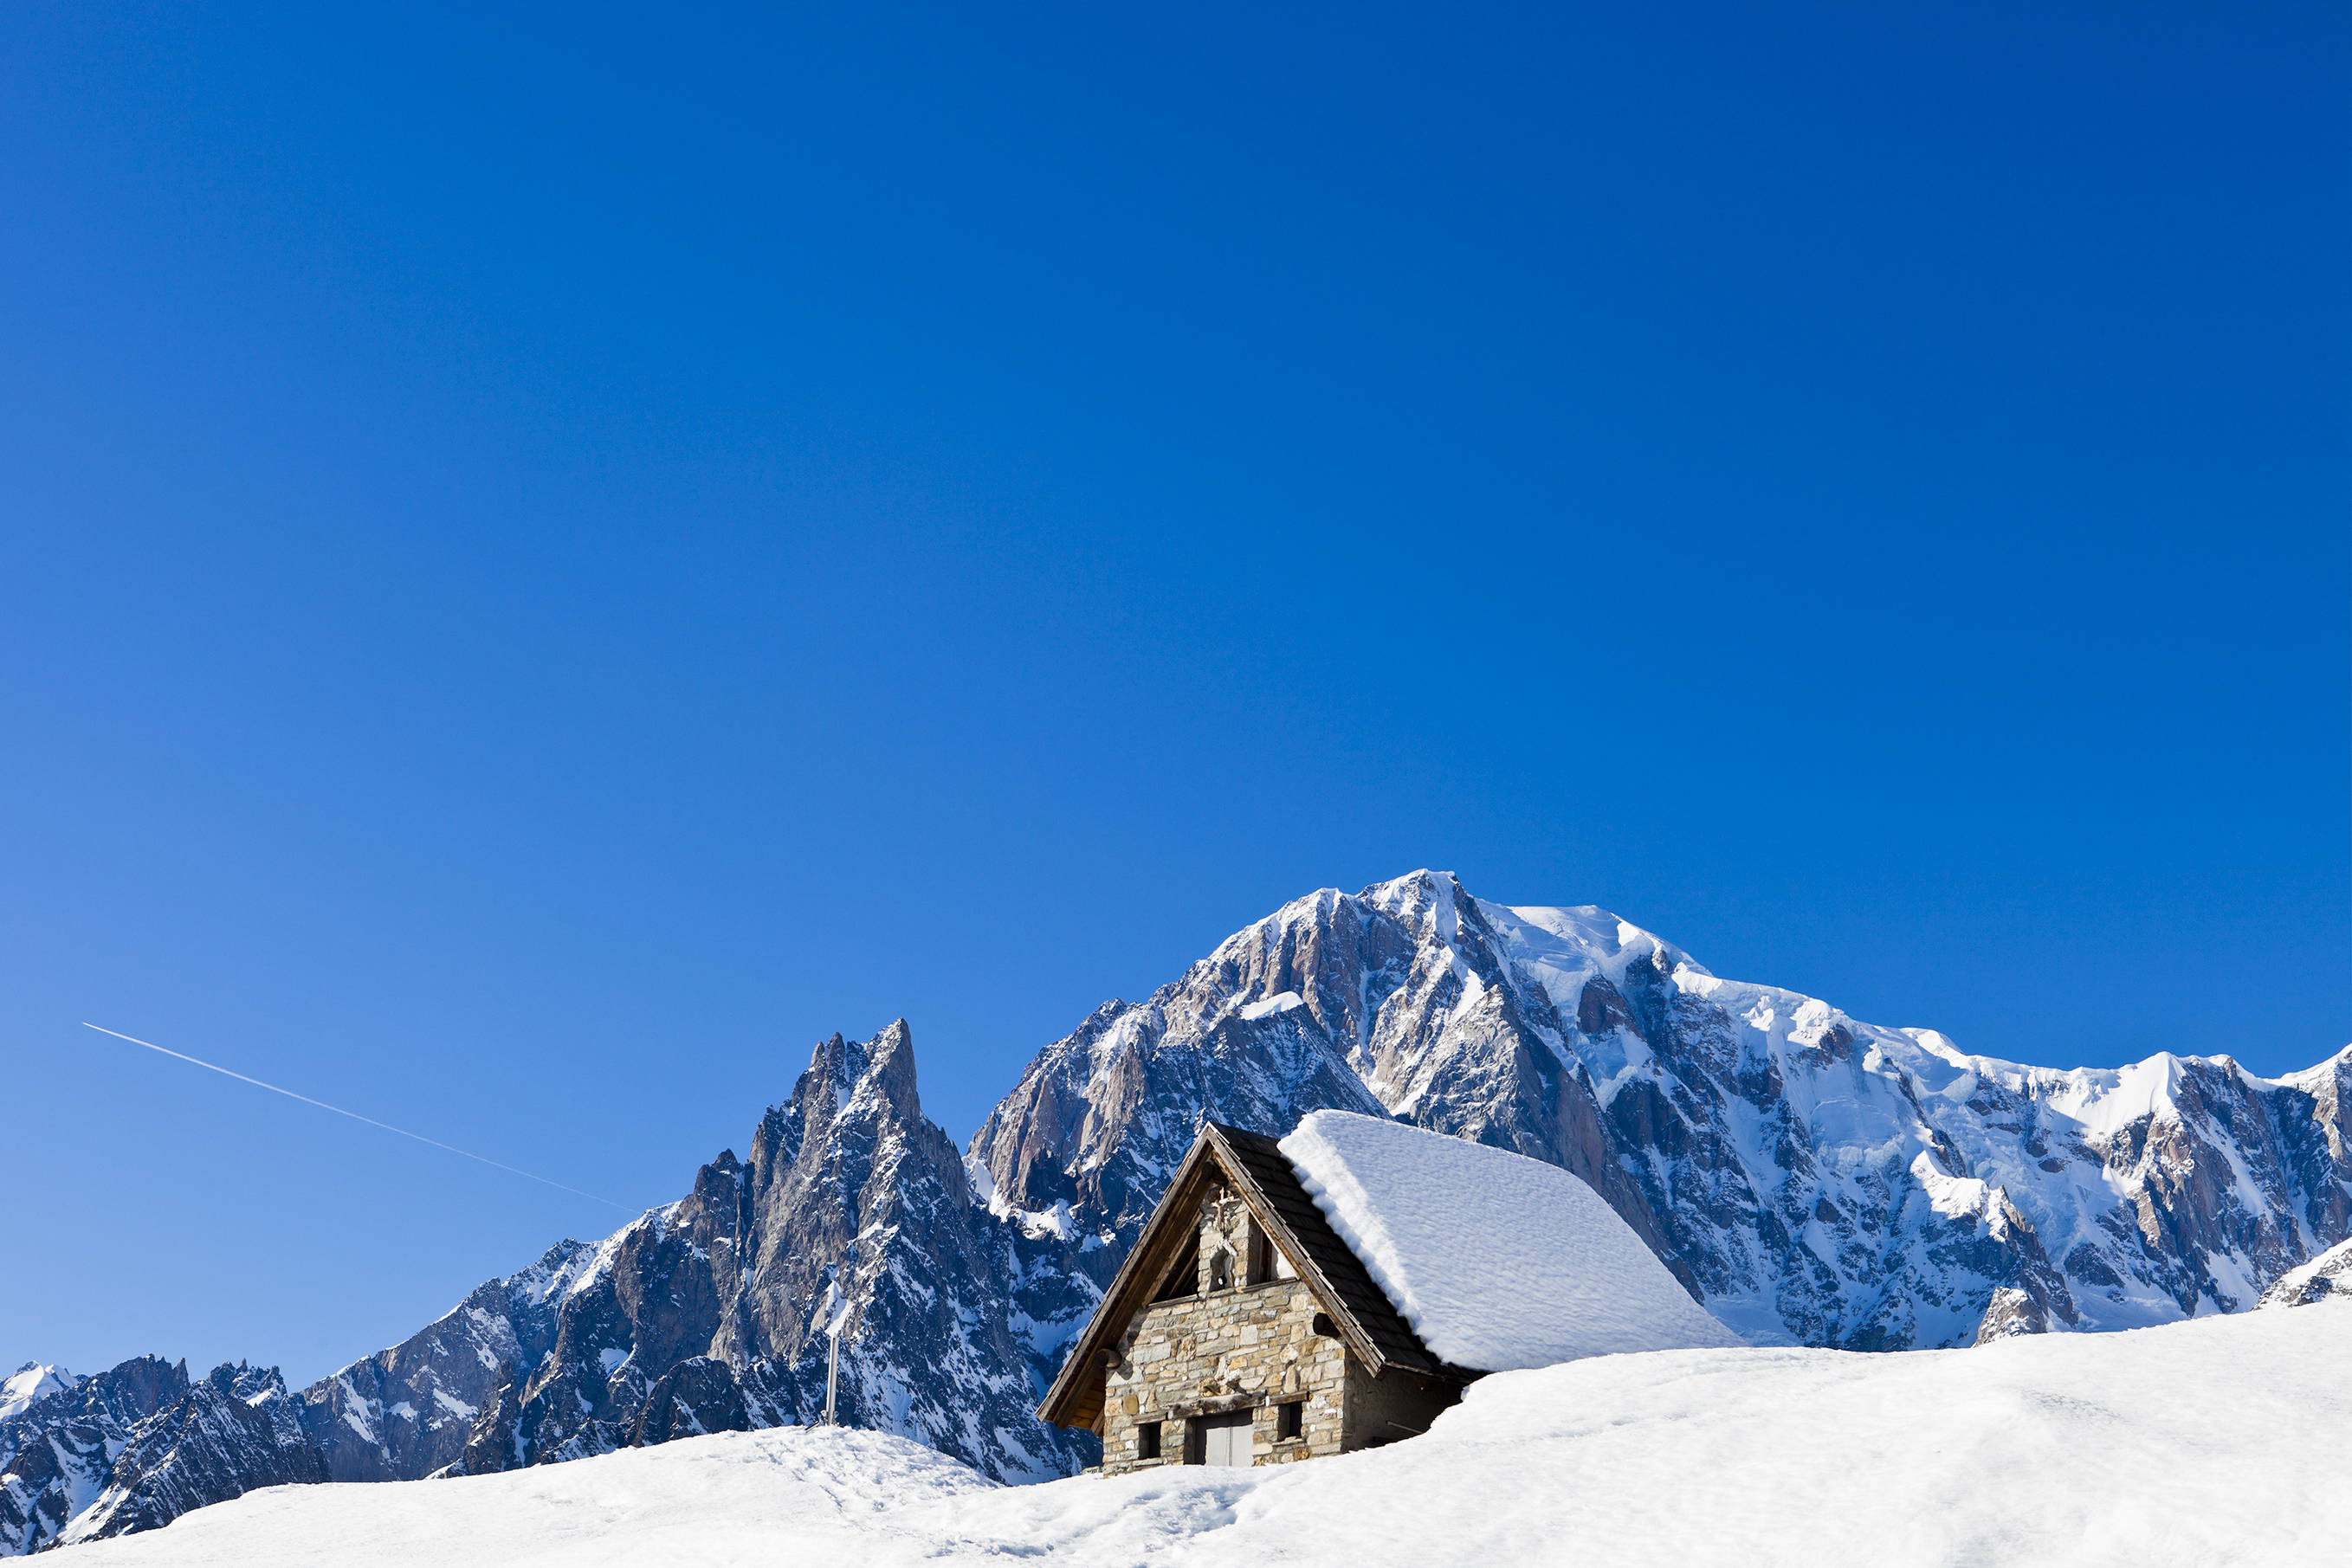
1500 1263
2213 1442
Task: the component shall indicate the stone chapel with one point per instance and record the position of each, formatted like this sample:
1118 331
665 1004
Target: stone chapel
1242 1331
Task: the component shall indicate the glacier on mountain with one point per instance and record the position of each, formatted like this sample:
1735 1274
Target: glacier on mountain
1810 1178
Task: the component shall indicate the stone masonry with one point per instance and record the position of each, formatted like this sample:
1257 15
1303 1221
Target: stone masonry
1246 1340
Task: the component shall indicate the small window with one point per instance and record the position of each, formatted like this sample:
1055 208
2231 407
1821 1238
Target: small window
1290 1421
1324 1325
1221 1272
1262 1256
1146 1440
1184 1280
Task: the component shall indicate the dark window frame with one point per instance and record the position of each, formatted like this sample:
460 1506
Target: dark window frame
1184 1279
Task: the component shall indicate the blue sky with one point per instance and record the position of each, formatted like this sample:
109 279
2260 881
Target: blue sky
555 556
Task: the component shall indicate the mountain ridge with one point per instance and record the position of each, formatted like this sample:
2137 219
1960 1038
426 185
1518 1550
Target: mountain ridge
1725 1120
1810 1178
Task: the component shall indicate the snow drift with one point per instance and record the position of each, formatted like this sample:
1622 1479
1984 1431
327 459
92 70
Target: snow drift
2213 1442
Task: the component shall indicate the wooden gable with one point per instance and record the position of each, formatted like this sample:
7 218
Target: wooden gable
1253 1167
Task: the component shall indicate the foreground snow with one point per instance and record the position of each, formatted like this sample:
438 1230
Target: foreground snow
1500 1263
2219 1441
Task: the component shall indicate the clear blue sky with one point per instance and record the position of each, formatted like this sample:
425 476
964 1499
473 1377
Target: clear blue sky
555 555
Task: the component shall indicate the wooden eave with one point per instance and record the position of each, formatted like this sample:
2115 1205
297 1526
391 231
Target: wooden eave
1254 1168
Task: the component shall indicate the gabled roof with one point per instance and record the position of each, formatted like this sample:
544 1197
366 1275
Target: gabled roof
1254 1168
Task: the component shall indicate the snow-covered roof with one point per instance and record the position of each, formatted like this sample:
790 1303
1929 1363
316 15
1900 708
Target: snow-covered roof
1500 1263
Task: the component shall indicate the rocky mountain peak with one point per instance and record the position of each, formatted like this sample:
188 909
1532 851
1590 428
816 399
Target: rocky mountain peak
1426 901
137 1446
701 1315
1813 1179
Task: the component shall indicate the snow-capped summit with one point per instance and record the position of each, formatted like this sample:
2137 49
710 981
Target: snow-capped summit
29 1382
700 1315
137 1445
1809 1178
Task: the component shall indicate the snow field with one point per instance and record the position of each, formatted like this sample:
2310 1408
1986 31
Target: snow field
2214 1442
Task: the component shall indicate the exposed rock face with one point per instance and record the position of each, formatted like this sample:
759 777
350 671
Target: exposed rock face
56 1453
1810 1178
231 1432
2327 1277
2011 1312
698 1317
407 1412
135 1447
702 1315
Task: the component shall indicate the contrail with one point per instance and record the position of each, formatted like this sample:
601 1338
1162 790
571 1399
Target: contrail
355 1116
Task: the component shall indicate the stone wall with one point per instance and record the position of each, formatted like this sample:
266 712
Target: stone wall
1250 1346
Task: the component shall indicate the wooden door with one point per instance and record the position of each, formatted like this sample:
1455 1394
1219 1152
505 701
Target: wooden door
1225 1439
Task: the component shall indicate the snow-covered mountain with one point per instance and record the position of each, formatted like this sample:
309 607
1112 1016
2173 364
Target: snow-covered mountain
230 1433
1811 1179
55 1451
700 1316
138 1446
408 1411
30 1382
